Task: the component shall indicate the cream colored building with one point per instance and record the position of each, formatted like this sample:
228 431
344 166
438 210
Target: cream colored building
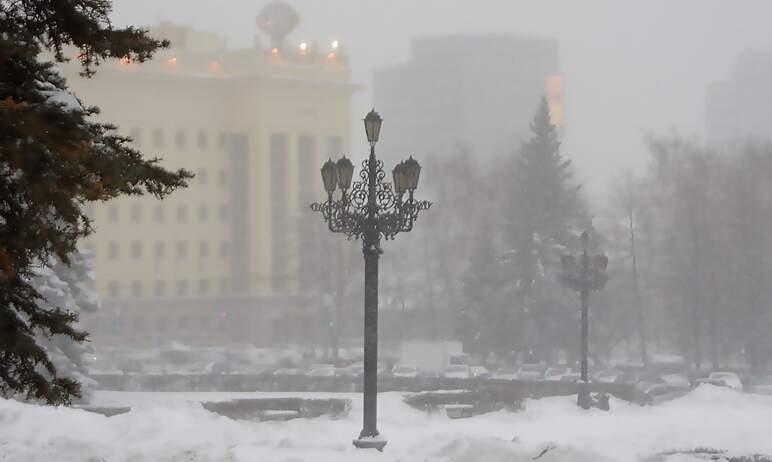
224 258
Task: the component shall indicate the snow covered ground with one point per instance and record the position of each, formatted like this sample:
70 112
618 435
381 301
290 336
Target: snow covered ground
174 427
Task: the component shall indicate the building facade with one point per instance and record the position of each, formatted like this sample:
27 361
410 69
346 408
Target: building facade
740 107
225 258
479 92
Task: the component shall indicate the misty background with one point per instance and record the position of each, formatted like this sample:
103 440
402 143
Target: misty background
630 68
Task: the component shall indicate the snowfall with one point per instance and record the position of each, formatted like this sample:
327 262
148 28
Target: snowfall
175 427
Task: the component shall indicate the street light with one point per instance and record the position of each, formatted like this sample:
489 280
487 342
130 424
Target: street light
584 275
370 210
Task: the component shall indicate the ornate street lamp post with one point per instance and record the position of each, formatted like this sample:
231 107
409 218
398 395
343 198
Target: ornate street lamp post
370 210
583 276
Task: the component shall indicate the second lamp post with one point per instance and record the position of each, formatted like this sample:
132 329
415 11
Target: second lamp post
370 209
585 275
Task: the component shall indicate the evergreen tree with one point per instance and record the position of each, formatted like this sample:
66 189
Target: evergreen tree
54 160
71 287
545 213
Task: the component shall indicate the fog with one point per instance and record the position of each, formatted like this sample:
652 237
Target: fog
630 67
477 215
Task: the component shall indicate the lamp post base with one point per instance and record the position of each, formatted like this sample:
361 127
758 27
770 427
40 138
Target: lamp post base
584 400
370 442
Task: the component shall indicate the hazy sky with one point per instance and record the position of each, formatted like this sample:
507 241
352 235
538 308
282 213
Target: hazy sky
630 66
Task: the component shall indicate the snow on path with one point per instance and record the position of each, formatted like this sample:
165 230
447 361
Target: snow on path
168 427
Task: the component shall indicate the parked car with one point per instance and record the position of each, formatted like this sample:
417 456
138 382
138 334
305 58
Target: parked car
428 374
655 393
572 377
607 376
326 370
404 371
480 372
313 367
506 373
729 380
531 372
457 371
287 371
677 380
342 372
556 373
356 370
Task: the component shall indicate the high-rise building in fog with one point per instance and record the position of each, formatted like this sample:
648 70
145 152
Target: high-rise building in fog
740 107
476 91
223 258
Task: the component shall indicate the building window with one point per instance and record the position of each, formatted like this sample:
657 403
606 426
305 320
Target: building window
159 288
223 177
204 322
138 324
136 289
203 214
201 139
112 213
112 250
224 249
224 285
182 213
136 213
223 212
160 249
136 136
180 139
182 287
222 140
158 137
201 176
136 249
203 286
203 249
158 213
182 249
183 322
114 289
162 324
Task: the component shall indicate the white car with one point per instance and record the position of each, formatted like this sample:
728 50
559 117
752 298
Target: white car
731 379
404 371
506 373
530 372
457 371
287 371
609 376
555 374
480 372
322 372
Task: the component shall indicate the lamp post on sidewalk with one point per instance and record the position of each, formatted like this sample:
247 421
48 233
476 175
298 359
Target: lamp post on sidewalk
585 275
369 210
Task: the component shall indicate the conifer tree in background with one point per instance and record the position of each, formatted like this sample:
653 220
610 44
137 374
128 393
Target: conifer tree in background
53 161
545 213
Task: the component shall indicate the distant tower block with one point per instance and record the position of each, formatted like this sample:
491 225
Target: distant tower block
277 20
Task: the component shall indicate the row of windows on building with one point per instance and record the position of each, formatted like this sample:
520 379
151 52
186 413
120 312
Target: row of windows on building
158 138
180 288
136 249
181 213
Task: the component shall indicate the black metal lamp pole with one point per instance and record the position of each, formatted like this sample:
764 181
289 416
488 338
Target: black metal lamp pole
589 274
371 210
